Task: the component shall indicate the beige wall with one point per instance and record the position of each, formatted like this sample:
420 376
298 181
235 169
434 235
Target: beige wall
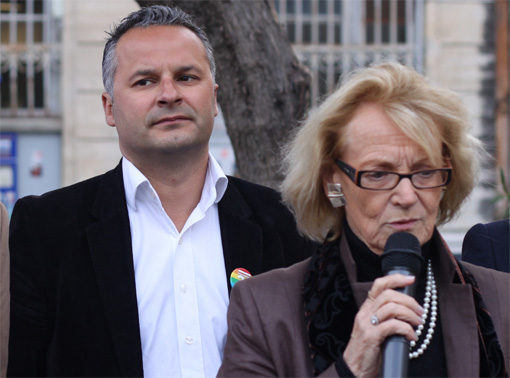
89 145
454 58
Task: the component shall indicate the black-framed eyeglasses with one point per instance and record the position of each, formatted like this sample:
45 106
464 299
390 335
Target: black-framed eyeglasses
383 180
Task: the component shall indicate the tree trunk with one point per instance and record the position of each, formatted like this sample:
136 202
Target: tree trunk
264 90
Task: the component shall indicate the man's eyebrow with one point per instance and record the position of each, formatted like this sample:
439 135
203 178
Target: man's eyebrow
149 72
189 68
137 73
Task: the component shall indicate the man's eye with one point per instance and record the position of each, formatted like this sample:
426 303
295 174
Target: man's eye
186 78
143 82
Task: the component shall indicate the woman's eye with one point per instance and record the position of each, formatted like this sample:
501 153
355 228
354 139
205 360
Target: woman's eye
426 174
375 175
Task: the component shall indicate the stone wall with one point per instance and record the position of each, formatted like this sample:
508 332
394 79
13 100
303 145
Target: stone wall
89 145
459 54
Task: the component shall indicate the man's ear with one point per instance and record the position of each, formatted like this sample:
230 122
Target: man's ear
108 109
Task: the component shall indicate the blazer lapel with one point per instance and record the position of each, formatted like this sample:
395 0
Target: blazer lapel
110 248
241 237
458 314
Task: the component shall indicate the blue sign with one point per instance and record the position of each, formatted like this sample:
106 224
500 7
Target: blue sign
8 179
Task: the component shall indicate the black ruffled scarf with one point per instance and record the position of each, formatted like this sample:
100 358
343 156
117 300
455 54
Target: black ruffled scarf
330 308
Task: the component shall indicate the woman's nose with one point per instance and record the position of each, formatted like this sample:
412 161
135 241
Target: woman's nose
405 193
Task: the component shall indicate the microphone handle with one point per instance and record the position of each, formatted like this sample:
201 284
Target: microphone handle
395 357
408 290
396 348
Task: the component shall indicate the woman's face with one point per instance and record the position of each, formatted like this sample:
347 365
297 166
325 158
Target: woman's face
373 142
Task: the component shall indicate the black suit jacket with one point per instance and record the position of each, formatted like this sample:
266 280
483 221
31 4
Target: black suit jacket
74 309
488 245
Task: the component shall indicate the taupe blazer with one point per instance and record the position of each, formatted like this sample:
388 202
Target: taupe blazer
267 330
4 288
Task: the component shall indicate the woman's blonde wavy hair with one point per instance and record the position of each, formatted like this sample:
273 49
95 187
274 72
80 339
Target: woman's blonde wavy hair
423 112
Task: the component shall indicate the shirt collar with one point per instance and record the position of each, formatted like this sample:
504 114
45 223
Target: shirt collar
215 183
217 178
133 179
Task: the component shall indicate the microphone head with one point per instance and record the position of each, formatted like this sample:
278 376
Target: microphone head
402 250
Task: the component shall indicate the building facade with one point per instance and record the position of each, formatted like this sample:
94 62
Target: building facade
53 132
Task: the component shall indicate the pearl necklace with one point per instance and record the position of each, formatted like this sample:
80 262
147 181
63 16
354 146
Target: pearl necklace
430 301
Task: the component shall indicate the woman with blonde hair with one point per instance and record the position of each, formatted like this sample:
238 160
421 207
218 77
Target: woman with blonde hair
386 157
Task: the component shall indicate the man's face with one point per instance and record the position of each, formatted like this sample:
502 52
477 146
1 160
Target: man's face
164 95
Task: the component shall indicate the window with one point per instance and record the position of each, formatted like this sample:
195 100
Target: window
332 37
29 58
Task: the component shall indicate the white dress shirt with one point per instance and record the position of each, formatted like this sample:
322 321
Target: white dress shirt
181 285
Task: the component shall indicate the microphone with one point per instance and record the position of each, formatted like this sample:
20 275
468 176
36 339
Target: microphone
402 255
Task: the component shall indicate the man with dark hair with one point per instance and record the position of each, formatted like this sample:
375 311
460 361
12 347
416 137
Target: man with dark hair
129 273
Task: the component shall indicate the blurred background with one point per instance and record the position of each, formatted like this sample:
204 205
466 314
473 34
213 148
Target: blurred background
52 128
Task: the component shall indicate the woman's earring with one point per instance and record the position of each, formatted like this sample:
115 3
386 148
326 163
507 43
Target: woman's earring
335 195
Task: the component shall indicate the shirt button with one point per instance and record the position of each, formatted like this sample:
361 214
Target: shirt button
153 195
180 241
184 289
189 340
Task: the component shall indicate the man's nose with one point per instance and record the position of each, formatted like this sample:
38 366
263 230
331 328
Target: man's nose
169 92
